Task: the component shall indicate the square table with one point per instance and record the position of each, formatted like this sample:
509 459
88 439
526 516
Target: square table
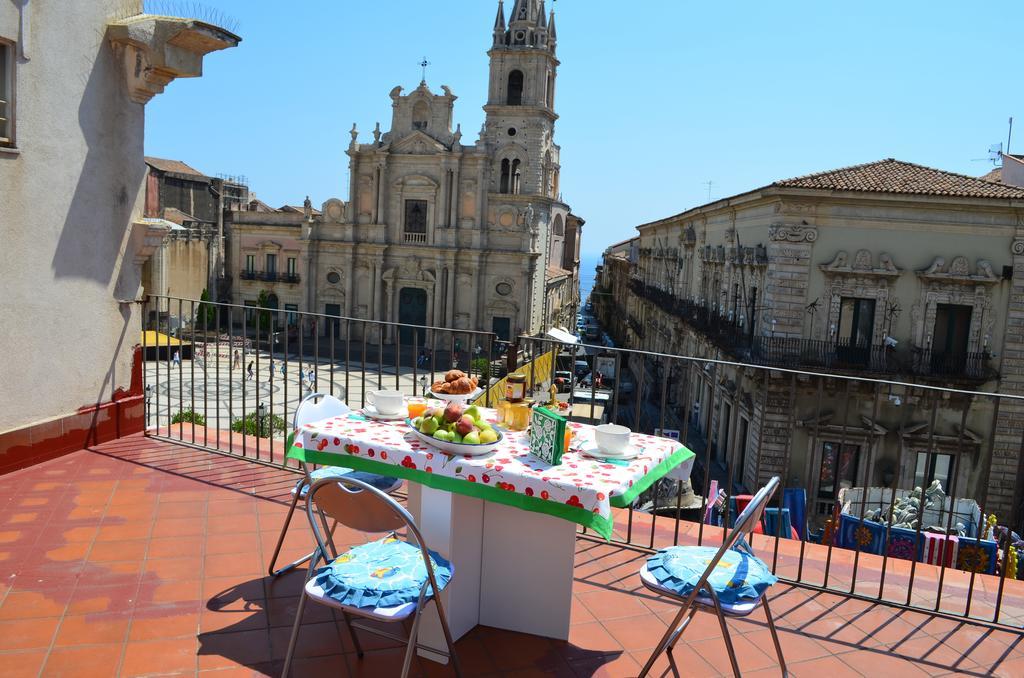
506 520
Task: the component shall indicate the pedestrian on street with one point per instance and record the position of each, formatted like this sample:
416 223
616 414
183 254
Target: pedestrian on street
237 362
312 379
249 372
283 370
176 359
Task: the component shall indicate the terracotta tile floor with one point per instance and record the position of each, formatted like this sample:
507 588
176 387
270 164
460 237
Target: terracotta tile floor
146 558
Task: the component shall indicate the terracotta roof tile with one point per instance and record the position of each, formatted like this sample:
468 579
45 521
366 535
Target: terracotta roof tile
896 176
175 166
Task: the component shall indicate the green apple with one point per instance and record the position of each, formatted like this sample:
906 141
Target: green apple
443 436
471 438
428 426
488 436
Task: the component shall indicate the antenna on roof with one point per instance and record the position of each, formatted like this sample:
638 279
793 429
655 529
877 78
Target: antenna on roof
995 155
1009 136
709 184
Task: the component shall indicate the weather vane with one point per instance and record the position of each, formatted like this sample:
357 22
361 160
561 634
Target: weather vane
423 64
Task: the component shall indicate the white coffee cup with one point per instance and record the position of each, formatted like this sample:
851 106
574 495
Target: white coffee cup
612 438
386 402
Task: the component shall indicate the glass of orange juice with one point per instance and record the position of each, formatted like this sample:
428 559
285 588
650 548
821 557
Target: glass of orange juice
417 406
568 439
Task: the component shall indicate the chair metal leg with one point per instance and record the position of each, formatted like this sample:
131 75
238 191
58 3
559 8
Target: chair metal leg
726 636
410 648
352 632
679 631
280 540
665 640
447 636
295 634
775 634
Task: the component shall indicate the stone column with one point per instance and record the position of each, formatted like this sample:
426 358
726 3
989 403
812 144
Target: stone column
1004 489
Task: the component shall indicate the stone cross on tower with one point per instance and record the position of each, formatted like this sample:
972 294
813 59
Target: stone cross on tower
423 64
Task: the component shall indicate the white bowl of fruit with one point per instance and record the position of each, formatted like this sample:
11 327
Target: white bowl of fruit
456 429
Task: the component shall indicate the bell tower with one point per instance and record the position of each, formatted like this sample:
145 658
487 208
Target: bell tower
520 122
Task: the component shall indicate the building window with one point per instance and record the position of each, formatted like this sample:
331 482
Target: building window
838 469
271 263
291 266
291 312
516 178
250 309
506 172
6 94
420 115
931 467
250 263
951 336
333 277
856 321
515 88
416 216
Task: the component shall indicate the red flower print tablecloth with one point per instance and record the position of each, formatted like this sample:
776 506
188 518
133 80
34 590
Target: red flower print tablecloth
580 489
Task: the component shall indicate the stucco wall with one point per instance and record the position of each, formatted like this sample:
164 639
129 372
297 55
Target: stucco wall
67 199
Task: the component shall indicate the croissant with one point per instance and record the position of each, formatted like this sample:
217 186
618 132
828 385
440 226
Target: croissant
474 381
461 386
439 387
454 375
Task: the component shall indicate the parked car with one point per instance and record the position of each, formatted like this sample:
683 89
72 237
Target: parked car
580 368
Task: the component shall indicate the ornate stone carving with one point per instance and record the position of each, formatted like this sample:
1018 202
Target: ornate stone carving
863 265
959 271
689 236
1018 247
783 233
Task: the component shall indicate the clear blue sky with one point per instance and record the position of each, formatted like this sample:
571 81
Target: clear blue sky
656 97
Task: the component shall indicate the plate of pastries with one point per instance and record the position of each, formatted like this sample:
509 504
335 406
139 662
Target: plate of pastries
457 386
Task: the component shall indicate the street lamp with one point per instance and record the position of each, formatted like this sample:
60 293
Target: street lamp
261 412
149 402
423 383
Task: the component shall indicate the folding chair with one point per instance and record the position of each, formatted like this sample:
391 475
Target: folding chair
706 594
390 561
307 412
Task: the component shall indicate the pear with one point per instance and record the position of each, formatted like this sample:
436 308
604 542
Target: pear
443 436
488 435
471 438
456 438
428 426
473 411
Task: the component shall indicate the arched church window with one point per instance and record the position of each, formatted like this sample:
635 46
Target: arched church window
505 176
420 115
515 88
516 177
559 227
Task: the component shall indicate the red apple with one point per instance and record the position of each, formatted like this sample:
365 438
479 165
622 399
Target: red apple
453 412
465 425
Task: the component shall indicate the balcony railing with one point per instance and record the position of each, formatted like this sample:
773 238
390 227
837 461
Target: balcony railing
798 353
745 423
417 238
271 276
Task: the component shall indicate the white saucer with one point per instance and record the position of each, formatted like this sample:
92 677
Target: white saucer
594 452
371 412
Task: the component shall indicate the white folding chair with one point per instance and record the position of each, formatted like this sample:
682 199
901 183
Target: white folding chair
704 596
317 407
362 507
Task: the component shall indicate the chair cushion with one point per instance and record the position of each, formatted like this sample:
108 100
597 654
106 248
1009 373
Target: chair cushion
738 577
382 483
384 573
740 609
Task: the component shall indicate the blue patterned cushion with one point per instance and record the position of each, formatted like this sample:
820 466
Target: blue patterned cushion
738 577
382 483
384 573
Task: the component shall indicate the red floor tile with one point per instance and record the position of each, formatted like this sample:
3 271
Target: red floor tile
99 661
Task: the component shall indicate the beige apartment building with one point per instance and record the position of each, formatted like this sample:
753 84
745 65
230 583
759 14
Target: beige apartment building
887 270
75 78
437 231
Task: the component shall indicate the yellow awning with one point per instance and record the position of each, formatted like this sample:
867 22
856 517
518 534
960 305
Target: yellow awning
152 339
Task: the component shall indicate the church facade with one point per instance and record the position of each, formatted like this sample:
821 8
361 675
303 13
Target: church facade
439 232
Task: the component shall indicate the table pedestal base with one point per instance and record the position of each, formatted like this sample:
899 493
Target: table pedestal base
513 568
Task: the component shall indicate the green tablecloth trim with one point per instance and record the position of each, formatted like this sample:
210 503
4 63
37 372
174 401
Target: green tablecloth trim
653 475
596 522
